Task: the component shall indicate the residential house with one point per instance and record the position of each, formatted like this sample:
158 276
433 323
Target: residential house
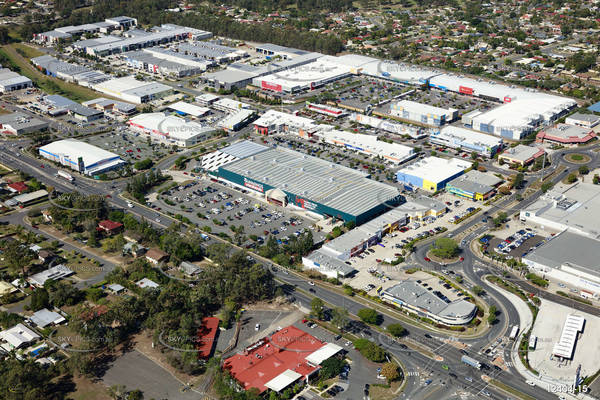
110 227
156 256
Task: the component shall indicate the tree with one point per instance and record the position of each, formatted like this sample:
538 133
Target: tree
478 290
492 317
339 317
546 186
584 170
369 350
317 307
518 180
445 248
499 220
370 316
331 367
396 330
391 371
39 299
16 256
572 178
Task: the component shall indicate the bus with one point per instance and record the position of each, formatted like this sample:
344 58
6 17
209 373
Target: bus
532 342
514 332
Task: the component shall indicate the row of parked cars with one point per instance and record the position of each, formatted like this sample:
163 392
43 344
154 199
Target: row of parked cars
514 241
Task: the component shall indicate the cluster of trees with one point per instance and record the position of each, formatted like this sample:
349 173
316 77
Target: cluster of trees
179 247
74 211
445 248
309 5
143 164
296 246
139 185
30 380
369 350
370 316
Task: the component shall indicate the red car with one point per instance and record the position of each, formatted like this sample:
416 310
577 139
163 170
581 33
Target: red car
427 259
378 260
108 196
398 254
462 259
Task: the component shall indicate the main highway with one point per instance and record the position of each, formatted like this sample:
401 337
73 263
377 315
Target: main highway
447 371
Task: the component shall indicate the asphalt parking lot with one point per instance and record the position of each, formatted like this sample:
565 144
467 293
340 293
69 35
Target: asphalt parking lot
516 245
129 146
221 208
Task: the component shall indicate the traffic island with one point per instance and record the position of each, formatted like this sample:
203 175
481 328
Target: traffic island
577 158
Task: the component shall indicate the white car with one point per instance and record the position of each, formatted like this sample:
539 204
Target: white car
130 205
256 327
311 283
530 383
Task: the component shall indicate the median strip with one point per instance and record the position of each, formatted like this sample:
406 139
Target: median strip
510 390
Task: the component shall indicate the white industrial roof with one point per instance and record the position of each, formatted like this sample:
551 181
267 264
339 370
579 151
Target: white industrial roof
118 86
395 152
451 132
169 125
320 70
283 380
435 169
325 352
274 117
565 346
73 149
188 108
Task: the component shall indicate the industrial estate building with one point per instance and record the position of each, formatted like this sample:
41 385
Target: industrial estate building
368 144
423 113
431 173
467 140
81 156
415 298
10 81
188 109
566 134
114 106
130 89
521 155
570 258
165 62
69 72
67 32
170 129
20 123
474 185
307 182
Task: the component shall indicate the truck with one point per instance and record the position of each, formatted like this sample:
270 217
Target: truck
471 361
514 332
65 175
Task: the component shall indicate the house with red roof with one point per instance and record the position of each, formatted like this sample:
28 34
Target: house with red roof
110 227
17 187
287 357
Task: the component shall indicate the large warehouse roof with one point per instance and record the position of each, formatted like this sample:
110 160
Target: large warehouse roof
370 144
314 179
73 149
435 169
575 208
456 133
174 127
576 251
